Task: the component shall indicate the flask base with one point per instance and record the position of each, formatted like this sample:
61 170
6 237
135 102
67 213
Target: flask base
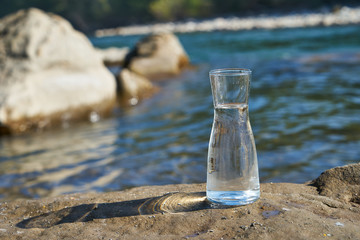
233 198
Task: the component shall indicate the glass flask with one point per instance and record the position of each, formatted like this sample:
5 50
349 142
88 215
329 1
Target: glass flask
232 168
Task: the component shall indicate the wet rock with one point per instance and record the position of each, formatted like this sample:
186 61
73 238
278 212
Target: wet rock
49 70
134 87
113 56
341 183
157 55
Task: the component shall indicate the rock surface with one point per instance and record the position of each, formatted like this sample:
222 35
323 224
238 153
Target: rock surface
284 211
133 87
113 56
157 55
341 183
48 72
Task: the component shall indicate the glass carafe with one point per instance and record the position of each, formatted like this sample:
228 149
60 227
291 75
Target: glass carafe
232 168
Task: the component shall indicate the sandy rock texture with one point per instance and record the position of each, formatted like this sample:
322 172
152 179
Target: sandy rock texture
341 182
284 211
49 72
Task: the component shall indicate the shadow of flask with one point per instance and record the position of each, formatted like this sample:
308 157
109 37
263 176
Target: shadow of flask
169 203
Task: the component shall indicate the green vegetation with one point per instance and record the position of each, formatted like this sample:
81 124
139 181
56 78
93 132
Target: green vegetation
88 15
170 10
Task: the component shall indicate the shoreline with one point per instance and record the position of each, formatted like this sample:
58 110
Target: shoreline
328 206
343 16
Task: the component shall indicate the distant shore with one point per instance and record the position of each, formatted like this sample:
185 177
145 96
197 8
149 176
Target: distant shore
342 16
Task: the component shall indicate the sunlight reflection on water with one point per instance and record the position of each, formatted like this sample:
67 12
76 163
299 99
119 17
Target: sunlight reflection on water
304 111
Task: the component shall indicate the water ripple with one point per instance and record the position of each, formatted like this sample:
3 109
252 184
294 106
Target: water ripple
304 110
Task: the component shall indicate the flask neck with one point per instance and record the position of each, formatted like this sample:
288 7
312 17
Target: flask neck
230 86
229 113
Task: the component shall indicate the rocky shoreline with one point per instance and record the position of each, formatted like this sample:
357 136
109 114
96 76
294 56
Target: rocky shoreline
326 207
51 75
342 16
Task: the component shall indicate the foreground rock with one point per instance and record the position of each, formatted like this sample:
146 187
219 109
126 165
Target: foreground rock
157 55
342 183
49 73
284 211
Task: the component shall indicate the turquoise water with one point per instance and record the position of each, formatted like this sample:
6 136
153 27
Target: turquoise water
304 110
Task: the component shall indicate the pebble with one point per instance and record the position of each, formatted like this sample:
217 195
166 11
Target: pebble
94 117
339 224
244 227
253 224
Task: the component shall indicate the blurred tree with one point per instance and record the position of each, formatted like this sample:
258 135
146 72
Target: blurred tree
128 12
170 10
87 15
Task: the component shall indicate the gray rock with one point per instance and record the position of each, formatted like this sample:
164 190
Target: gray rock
157 55
341 183
47 69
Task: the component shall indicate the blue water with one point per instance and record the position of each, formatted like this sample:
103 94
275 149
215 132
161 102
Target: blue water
304 110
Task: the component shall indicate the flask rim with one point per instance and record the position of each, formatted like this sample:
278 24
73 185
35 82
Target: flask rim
230 72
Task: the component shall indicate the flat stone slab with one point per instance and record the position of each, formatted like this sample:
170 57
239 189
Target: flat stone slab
284 211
